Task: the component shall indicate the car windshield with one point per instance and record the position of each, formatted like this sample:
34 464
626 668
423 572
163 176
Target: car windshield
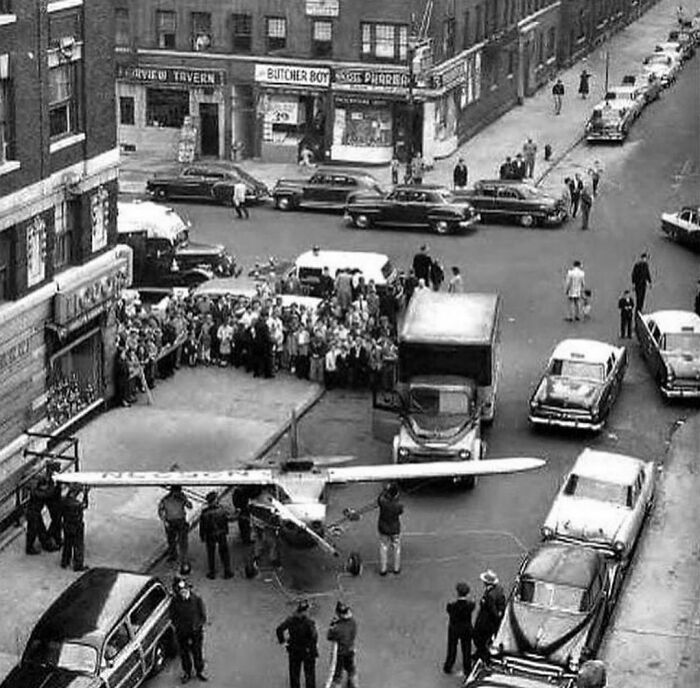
658 58
582 370
600 490
76 657
552 595
443 402
682 341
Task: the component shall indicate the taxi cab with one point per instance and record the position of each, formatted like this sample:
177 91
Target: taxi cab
109 629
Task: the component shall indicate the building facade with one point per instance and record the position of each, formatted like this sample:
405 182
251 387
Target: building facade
60 270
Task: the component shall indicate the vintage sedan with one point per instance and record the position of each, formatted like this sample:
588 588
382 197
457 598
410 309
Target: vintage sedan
603 502
209 182
580 385
681 50
663 65
628 96
496 199
411 206
648 84
327 189
670 344
109 629
609 121
559 606
683 226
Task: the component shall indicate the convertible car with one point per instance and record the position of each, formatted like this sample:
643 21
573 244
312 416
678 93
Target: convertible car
411 206
603 502
558 608
212 181
580 386
670 344
683 226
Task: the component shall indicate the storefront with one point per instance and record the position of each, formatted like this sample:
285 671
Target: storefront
153 104
292 108
371 115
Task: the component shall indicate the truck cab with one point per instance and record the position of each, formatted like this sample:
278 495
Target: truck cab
446 378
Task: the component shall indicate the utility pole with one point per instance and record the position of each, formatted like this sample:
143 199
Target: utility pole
411 98
607 69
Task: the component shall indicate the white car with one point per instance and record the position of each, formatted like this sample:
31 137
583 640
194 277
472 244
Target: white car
683 226
629 96
603 502
673 48
664 65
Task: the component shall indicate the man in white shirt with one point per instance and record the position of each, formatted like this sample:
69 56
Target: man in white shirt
239 203
574 287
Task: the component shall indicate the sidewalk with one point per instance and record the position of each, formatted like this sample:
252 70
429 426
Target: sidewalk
204 418
654 641
485 152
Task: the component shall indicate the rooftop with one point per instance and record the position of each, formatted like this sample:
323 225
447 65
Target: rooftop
674 321
607 466
563 564
589 350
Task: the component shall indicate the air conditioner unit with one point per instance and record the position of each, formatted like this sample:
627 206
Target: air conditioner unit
66 45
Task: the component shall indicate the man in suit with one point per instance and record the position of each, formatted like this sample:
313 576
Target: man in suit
641 277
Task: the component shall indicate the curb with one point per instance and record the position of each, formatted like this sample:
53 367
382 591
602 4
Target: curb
558 158
264 448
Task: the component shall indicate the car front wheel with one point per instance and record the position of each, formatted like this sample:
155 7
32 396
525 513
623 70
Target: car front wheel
161 193
527 220
362 221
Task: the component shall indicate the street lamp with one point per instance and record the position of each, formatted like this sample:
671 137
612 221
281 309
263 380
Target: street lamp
411 51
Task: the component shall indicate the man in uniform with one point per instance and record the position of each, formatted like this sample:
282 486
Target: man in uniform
389 527
491 609
36 528
188 616
73 507
343 632
172 511
459 629
302 639
53 498
213 531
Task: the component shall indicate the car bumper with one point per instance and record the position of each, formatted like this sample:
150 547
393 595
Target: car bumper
670 392
556 218
566 422
606 136
466 224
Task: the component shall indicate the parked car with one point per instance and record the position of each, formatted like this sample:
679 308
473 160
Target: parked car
411 206
506 674
686 37
603 502
628 96
523 202
648 84
683 226
663 65
674 48
580 385
327 189
670 344
609 121
109 629
210 181
559 606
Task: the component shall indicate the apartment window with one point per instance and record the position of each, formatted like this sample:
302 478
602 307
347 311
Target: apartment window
64 87
6 263
448 37
384 41
66 24
122 30
242 32
201 31
36 251
65 223
166 28
276 33
551 41
322 39
126 110
465 31
6 121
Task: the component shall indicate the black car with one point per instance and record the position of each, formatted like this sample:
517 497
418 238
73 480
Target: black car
212 182
327 189
411 206
109 629
496 199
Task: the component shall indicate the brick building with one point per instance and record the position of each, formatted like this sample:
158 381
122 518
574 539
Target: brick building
59 267
273 75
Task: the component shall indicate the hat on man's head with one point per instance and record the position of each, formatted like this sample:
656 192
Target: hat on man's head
302 606
342 609
212 497
489 577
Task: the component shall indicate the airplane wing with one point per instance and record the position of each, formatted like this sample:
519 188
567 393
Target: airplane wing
253 476
430 469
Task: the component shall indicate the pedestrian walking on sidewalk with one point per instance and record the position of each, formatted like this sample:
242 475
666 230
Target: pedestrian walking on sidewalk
530 154
583 84
422 263
172 511
460 175
641 277
189 616
302 640
394 167
239 200
492 606
213 531
575 188
574 287
408 173
417 169
505 171
519 168
455 285
586 205
625 305
343 632
566 193
596 172
558 96
459 629
389 527
73 508
437 275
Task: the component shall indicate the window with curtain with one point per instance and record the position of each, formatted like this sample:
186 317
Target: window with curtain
242 25
166 28
384 41
322 38
6 121
276 33
63 99
65 216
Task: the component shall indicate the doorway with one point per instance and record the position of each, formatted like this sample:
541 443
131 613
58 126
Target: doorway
209 128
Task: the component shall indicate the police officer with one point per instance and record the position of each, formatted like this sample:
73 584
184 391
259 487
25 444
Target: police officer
53 499
492 606
389 527
213 531
189 615
459 629
302 639
343 632
73 507
172 511
36 528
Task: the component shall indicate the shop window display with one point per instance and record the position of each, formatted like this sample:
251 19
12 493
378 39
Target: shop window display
364 126
66 398
166 107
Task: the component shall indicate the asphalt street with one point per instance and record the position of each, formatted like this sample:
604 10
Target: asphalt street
453 535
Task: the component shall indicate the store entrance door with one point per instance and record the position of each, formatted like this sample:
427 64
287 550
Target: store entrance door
209 128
